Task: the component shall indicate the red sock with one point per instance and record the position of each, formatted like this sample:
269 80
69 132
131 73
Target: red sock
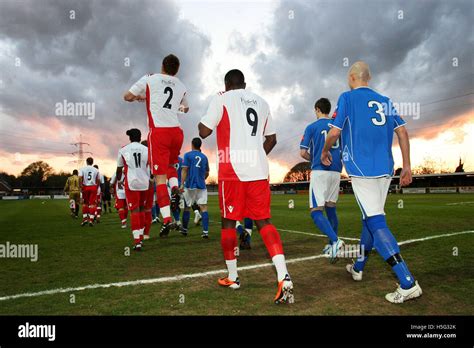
272 240
229 243
163 200
122 214
147 222
136 225
85 211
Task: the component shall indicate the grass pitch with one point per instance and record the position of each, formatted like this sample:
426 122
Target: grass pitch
71 256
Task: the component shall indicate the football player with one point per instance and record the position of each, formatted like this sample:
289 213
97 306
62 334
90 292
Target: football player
194 172
98 211
89 182
245 136
324 183
120 199
72 188
133 161
367 121
165 97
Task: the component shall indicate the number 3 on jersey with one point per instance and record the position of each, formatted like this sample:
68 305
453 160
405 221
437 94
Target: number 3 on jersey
379 111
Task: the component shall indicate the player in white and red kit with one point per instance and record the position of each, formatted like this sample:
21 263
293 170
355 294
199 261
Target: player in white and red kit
133 159
245 135
88 181
98 210
165 97
120 199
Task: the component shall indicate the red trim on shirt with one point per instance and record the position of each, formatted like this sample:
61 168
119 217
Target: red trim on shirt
226 170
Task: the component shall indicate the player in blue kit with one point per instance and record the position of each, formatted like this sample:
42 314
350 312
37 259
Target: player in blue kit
194 173
324 183
245 233
367 120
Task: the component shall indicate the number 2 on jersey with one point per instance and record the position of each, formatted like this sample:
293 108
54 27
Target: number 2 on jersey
252 122
198 163
168 90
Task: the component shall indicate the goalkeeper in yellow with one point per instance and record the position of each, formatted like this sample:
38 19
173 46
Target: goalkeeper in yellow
72 188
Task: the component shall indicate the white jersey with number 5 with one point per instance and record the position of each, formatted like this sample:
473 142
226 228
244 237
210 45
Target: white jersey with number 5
242 119
164 95
89 175
134 157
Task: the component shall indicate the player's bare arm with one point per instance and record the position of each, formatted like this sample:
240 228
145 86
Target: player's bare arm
404 142
331 139
204 132
269 143
305 154
130 97
184 176
118 174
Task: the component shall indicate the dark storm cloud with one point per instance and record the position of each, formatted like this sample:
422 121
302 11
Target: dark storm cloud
83 59
411 58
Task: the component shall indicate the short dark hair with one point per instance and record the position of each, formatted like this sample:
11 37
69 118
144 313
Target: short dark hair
197 142
171 64
234 78
324 105
134 134
144 143
96 166
89 160
75 172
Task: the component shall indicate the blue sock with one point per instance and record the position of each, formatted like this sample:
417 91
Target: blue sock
323 224
205 221
186 216
332 217
176 214
367 242
248 224
153 212
240 229
387 246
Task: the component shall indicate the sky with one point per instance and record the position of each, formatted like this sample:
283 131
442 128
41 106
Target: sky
291 52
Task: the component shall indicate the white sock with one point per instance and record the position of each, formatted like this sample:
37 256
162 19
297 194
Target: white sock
232 268
173 182
165 212
136 234
280 265
249 231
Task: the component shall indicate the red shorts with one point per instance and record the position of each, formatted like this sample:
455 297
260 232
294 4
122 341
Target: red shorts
150 195
89 195
120 204
164 145
135 199
239 199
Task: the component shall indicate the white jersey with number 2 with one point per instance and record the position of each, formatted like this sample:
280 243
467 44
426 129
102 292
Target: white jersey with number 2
242 119
134 157
164 95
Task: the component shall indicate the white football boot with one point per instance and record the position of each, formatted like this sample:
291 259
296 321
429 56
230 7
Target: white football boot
401 295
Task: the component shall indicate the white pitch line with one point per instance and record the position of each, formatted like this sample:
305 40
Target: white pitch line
316 234
459 203
197 275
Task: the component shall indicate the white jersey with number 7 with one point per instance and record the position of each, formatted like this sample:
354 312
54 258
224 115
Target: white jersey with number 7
242 119
134 157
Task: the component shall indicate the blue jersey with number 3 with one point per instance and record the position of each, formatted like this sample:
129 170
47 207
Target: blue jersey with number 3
313 140
367 120
198 166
